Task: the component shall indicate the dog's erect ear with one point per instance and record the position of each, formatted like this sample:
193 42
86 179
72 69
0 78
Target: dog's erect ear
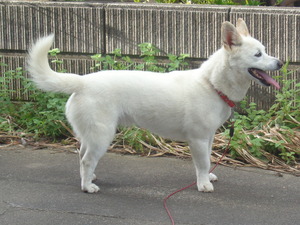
230 36
242 27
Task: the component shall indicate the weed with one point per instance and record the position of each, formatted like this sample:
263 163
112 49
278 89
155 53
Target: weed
54 52
271 131
42 115
112 62
116 61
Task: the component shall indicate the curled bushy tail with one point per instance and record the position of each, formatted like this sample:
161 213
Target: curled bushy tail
43 76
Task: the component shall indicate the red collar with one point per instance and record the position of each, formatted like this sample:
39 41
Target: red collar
230 103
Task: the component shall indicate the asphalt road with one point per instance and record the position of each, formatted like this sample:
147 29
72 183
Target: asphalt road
43 187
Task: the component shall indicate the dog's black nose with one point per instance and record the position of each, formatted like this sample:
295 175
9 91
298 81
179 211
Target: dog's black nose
279 64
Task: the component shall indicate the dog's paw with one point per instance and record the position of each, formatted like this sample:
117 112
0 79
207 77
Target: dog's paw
91 188
213 177
205 187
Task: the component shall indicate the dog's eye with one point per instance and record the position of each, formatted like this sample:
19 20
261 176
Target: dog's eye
258 54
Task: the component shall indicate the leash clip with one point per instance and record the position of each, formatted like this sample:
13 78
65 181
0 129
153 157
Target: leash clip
232 121
231 118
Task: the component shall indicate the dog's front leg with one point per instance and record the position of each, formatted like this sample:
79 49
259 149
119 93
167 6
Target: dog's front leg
200 150
212 177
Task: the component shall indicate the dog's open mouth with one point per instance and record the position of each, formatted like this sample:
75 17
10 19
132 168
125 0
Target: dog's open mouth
263 77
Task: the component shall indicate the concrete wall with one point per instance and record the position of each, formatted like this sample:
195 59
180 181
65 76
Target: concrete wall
83 29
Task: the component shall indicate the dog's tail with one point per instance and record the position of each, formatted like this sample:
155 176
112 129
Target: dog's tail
43 76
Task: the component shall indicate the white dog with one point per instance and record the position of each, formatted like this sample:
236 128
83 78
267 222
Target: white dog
182 105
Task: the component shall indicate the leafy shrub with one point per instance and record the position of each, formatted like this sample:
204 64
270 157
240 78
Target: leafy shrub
149 60
42 116
275 131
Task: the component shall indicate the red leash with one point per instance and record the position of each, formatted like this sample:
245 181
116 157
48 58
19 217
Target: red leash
212 169
170 195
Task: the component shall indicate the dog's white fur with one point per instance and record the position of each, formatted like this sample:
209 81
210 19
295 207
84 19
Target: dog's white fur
180 105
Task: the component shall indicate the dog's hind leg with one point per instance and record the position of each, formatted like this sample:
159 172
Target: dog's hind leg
96 145
82 151
201 158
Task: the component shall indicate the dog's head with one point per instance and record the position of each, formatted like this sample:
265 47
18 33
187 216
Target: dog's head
247 54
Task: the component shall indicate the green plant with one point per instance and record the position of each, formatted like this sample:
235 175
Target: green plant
58 62
286 108
112 62
176 62
252 2
136 138
149 52
44 116
167 1
212 2
275 131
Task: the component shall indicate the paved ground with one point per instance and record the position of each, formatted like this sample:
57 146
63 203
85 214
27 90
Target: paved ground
43 187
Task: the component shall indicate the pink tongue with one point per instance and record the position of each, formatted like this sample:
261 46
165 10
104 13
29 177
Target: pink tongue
269 79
